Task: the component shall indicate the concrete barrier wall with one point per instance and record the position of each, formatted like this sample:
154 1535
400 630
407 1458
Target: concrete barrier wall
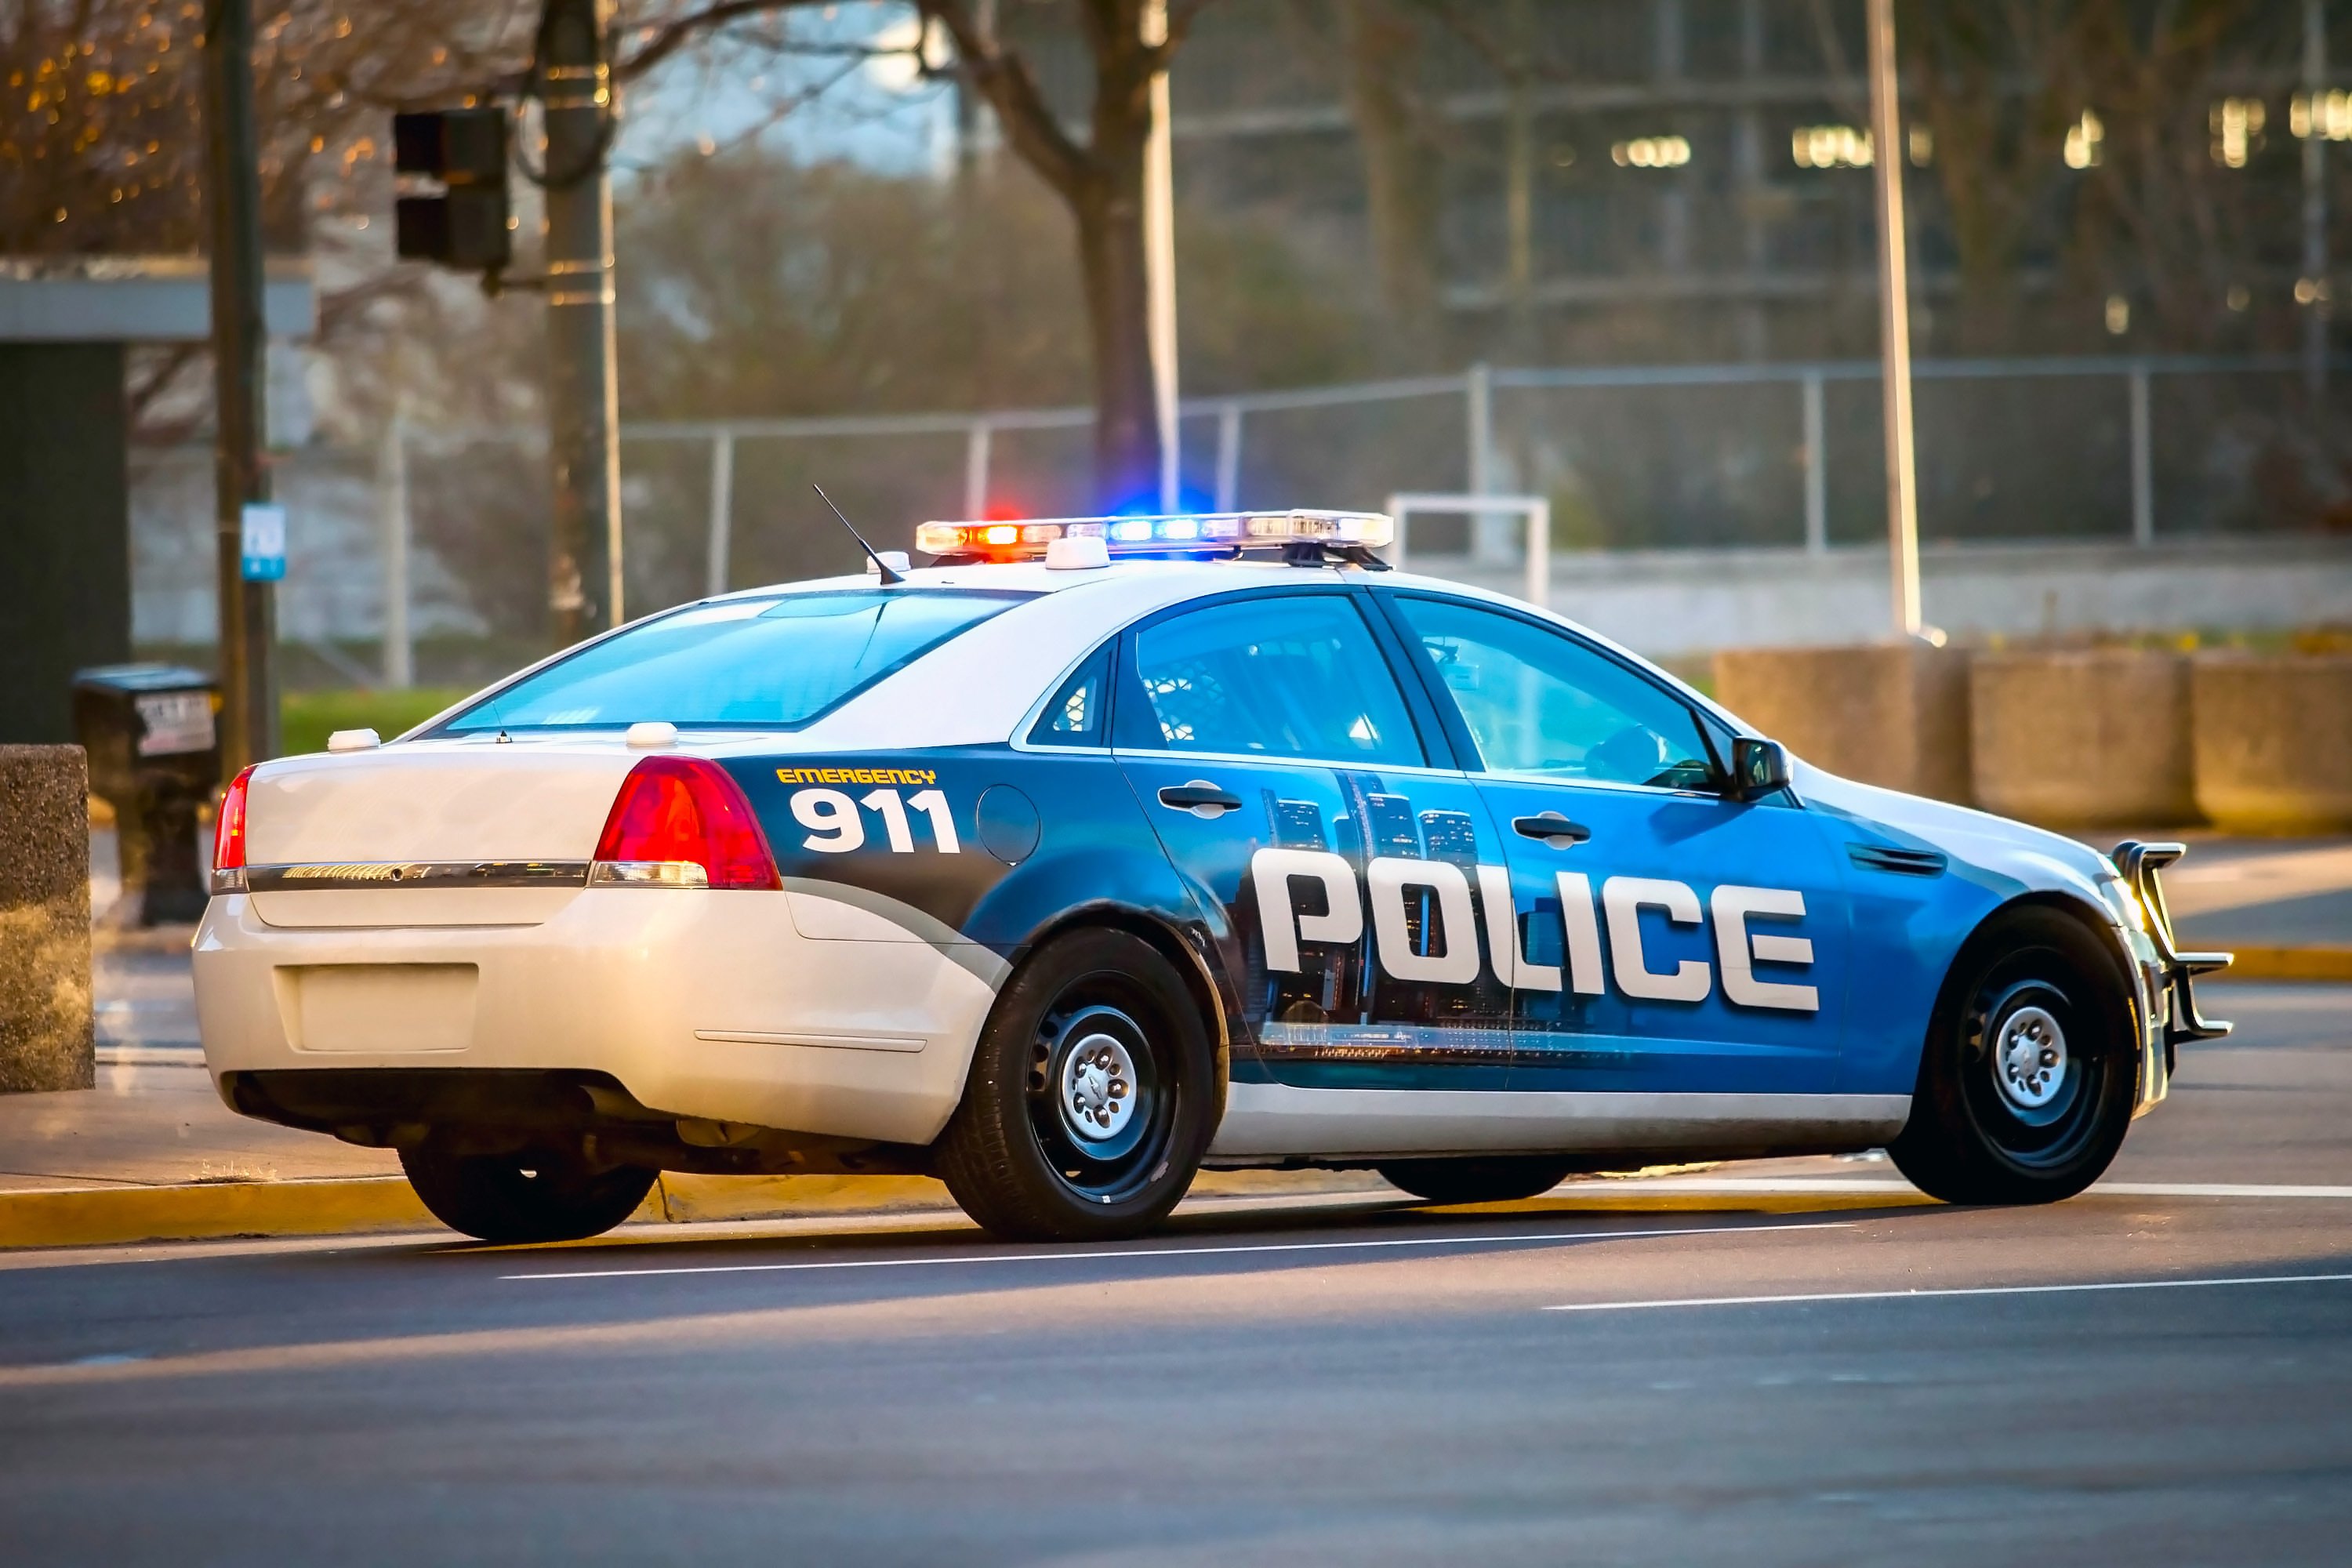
1894 714
2082 737
2272 739
46 1022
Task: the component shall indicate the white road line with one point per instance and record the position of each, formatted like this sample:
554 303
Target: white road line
1801 1185
1066 1257
1962 1291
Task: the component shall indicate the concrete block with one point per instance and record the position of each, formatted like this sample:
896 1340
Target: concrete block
45 1024
2082 737
1894 714
2272 739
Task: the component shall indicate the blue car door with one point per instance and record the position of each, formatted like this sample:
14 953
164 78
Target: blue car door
1669 938
1279 757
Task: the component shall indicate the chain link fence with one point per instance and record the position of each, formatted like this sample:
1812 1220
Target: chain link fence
1632 458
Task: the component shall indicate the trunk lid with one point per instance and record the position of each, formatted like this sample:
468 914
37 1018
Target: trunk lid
448 806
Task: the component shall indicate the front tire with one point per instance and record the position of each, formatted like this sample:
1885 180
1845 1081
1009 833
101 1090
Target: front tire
1492 1179
525 1197
2025 1088
1090 1099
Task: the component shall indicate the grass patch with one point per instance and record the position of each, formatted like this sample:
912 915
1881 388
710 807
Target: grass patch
308 717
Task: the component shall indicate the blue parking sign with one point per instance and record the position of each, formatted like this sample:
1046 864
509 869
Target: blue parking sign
262 542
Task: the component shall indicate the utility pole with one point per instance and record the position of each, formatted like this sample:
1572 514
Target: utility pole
248 617
583 412
2315 198
1895 322
1160 262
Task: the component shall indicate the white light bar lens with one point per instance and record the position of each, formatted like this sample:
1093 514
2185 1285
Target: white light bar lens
1153 535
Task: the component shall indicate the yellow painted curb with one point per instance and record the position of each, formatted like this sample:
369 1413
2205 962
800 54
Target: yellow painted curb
105 1217
2291 964
99 1216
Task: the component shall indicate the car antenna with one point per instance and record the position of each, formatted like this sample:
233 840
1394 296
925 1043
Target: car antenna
890 578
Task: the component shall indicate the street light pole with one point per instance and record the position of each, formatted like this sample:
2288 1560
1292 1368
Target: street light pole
1160 262
1895 322
248 620
583 411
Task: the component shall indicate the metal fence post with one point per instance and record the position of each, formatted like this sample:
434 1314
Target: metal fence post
1817 471
1229 456
975 467
1478 394
2143 462
392 495
722 508
1539 555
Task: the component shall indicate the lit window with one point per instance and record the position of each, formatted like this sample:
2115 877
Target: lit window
1652 152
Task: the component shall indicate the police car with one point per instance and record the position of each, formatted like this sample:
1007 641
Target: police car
1105 849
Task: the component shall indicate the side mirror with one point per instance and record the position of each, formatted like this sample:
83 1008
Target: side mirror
1759 767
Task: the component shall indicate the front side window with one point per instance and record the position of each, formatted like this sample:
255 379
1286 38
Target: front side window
765 663
1297 677
1539 702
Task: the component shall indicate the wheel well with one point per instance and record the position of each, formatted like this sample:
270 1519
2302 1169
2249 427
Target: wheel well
1170 944
2102 935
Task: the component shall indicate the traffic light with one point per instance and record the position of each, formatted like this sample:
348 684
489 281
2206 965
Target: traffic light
465 150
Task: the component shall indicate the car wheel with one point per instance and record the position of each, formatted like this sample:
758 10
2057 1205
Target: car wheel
1498 1179
2025 1088
1089 1101
524 1198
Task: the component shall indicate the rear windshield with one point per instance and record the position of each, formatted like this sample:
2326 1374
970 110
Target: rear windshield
769 664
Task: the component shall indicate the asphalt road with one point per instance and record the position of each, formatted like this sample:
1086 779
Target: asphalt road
2157 1373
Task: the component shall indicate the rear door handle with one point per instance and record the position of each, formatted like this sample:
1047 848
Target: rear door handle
1552 828
1199 797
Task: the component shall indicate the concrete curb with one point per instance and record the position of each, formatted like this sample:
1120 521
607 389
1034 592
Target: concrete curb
102 1216
105 1217
86 1216
2290 963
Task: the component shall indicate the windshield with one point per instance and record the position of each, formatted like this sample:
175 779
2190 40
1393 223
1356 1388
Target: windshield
768 663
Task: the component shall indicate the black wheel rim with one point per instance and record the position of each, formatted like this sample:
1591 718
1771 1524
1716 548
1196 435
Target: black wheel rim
2033 1072
1102 1090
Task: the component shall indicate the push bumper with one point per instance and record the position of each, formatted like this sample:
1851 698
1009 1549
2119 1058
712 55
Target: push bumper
2140 866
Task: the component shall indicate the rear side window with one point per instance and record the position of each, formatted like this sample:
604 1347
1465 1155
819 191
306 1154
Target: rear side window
772 663
1077 715
1299 676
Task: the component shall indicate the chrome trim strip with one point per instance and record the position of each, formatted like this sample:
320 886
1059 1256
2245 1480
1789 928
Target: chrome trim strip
344 876
1271 1120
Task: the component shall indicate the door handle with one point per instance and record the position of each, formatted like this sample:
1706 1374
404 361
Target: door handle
1199 797
1553 828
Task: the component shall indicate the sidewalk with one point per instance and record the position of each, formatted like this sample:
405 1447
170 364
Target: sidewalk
152 1152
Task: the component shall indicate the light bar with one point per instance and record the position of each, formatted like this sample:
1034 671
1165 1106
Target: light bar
1028 540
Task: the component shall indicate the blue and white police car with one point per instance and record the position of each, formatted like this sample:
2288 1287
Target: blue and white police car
1104 849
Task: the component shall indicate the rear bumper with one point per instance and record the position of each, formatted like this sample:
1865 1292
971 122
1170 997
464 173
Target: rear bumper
701 1005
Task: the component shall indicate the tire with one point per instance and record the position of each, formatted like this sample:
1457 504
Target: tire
515 1198
1497 1179
2026 1084
1090 1097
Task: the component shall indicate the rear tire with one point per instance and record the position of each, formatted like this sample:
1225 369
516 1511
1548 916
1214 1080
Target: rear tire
2025 1086
1090 1097
512 1198
1493 1179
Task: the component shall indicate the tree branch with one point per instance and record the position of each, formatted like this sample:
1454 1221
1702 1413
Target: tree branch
1005 80
680 31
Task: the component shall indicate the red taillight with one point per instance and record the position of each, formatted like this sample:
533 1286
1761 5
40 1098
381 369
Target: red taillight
686 810
228 826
